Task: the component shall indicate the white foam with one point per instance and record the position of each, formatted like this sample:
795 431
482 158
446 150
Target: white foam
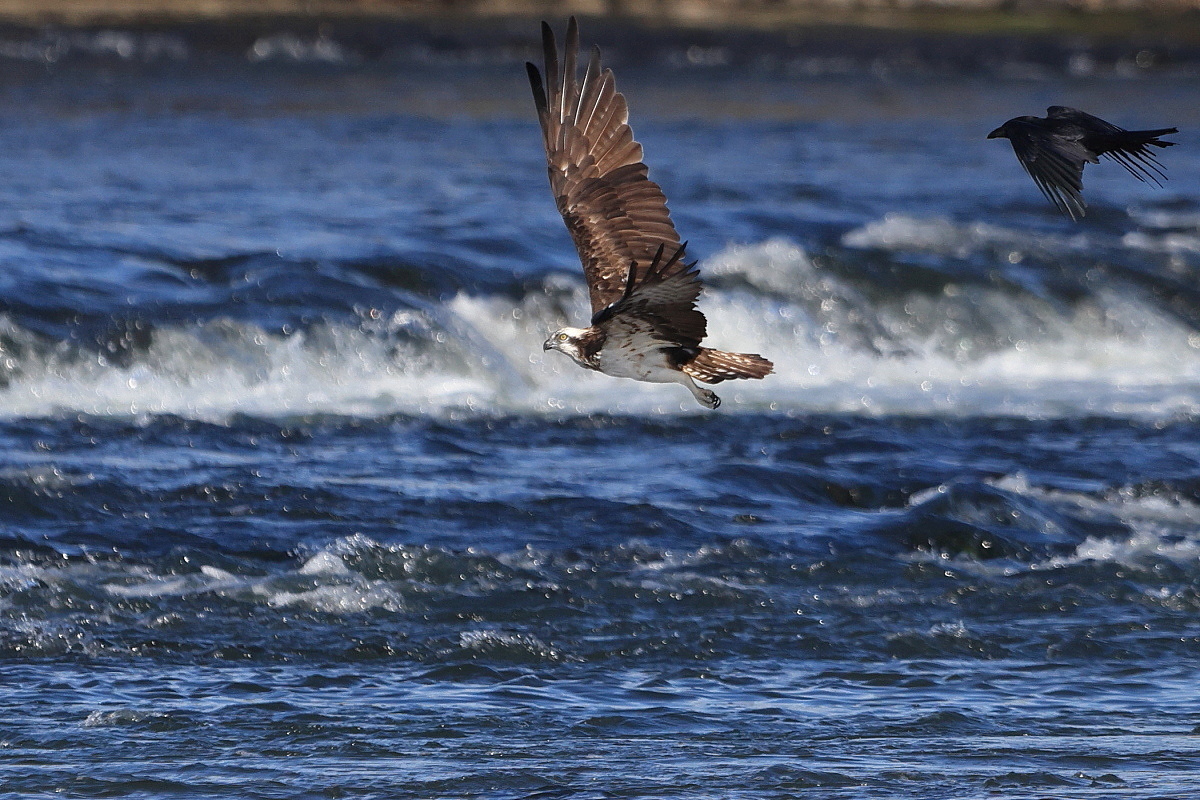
833 350
1142 549
17 578
325 563
321 583
352 598
121 717
1163 526
142 583
224 367
940 235
289 47
1170 243
517 644
1158 218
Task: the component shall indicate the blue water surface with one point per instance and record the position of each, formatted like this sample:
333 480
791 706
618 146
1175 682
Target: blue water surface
293 504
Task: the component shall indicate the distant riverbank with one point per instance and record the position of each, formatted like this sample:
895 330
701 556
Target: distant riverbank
1098 16
972 35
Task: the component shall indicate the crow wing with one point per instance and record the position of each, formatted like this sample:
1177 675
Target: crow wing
1055 162
1127 148
1086 122
616 215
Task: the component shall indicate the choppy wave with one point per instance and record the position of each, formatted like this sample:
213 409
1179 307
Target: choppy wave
840 343
1001 532
1021 526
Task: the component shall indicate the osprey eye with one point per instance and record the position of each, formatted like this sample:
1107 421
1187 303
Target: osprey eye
562 337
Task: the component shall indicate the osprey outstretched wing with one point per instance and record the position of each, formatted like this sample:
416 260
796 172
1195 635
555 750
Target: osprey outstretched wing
615 213
645 324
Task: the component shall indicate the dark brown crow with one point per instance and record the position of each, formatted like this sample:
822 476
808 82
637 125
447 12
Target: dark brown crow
1054 148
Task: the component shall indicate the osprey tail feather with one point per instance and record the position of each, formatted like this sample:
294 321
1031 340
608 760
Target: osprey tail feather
714 366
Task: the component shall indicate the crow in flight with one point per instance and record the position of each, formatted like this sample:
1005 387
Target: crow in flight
1054 148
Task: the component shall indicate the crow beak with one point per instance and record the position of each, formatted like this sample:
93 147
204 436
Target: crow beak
996 134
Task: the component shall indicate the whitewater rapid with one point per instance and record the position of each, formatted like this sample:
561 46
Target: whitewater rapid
838 346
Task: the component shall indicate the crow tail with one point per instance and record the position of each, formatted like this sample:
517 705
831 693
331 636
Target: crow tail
1128 148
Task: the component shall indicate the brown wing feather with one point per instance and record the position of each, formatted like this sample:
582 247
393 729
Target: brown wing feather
663 295
714 366
616 215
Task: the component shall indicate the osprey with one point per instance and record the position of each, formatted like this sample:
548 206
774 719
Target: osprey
645 324
1054 148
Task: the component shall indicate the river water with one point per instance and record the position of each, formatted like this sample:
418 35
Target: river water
293 504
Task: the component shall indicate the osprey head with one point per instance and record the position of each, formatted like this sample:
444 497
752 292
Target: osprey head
567 340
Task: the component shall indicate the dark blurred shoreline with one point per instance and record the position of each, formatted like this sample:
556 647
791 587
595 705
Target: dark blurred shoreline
1093 17
956 35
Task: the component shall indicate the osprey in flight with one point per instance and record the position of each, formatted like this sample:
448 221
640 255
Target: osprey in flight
1053 150
644 324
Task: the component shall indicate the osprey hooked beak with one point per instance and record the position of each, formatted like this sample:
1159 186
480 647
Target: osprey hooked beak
566 340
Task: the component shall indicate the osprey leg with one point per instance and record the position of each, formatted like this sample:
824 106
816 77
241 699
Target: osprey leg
706 397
